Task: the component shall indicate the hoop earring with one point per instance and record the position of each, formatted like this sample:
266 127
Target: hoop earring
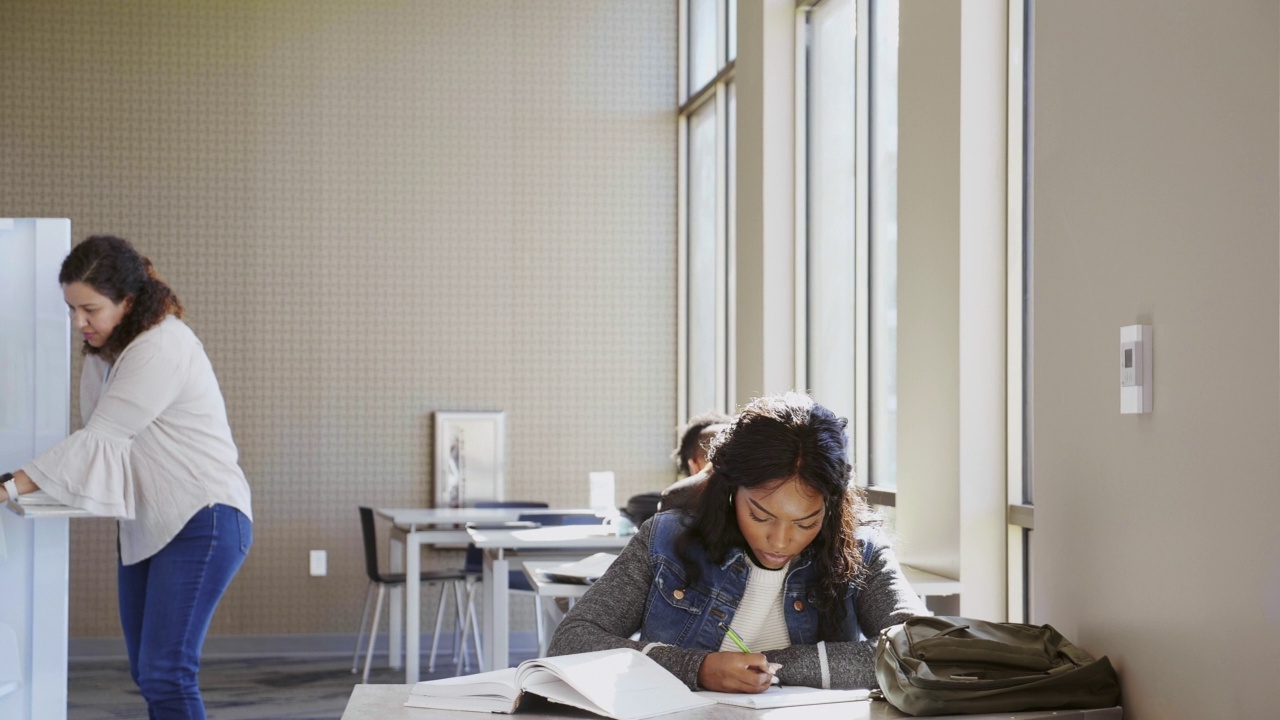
731 498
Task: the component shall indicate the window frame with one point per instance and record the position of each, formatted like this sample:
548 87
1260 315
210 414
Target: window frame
1021 512
860 435
689 101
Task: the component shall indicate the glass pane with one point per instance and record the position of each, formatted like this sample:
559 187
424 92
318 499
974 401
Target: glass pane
831 205
731 148
1027 9
731 226
702 43
733 29
884 243
703 260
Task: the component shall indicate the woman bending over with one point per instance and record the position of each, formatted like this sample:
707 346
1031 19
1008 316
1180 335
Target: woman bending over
156 452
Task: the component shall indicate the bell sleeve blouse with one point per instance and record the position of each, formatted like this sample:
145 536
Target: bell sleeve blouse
156 445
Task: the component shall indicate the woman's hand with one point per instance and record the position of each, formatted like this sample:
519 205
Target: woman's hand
735 672
25 485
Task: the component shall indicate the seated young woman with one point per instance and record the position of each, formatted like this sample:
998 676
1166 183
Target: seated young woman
780 547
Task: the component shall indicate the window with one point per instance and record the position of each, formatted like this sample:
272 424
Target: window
830 206
883 280
1018 266
847 114
706 129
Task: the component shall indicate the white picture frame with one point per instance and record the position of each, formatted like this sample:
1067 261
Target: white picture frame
469 458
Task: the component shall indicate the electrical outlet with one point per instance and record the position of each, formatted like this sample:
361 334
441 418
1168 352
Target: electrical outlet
319 563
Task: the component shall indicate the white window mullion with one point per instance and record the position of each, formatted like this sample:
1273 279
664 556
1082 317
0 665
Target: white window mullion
682 272
1016 388
862 243
802 200
722 278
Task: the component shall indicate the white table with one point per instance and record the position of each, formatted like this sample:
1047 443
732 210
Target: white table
385 702
411 529
565 542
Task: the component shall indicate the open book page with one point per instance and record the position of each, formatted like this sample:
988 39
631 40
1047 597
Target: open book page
587 570
785 696
619 683
494 691
481 703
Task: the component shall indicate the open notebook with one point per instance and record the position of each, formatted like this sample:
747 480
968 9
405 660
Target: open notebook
619 683
785 696
585 571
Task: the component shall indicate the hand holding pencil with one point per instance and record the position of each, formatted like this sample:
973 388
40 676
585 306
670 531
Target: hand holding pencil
744 672
771 669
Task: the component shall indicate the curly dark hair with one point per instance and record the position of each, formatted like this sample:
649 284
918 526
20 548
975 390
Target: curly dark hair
777 438
692 438
112 267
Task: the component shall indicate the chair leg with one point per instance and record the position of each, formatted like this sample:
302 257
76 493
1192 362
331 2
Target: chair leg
460 623
553 614
373 632
475 625
542 629
364 617
470 619
435 636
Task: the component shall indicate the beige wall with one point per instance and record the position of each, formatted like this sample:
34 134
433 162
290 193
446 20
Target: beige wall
372 210
1155 201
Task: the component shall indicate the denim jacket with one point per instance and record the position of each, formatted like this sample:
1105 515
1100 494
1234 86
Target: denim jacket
690 616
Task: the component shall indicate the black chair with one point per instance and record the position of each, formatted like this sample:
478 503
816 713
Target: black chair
552 519
516 580
448 579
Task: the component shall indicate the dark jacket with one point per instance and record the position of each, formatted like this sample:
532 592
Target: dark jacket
690 614
638 594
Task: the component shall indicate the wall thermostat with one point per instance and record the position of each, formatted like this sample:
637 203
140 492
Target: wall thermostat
1135 369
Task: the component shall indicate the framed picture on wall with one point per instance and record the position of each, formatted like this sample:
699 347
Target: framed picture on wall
470 457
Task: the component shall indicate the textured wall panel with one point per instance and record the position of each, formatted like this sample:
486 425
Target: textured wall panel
372 210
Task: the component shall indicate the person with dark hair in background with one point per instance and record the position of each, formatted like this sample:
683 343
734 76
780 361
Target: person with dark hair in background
779 554
156 452
691 454
691 457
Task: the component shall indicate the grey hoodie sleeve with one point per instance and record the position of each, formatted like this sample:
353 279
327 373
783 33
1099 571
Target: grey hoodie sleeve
612 611
885 599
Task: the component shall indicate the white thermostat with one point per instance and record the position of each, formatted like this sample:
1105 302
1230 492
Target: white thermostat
1135 369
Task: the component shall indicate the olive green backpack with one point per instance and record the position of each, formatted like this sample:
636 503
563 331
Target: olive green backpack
954 665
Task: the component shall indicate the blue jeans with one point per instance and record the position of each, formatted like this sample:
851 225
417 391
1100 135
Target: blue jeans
167 601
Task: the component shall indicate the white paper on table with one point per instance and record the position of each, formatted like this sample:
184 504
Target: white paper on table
785 696
39 497
586 570
601 496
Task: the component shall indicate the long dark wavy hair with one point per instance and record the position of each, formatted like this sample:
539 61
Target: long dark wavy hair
111 266
778 438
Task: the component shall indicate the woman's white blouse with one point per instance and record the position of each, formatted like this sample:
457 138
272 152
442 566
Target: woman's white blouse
155 447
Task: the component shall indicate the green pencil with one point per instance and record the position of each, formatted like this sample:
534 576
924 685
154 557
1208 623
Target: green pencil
734 637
